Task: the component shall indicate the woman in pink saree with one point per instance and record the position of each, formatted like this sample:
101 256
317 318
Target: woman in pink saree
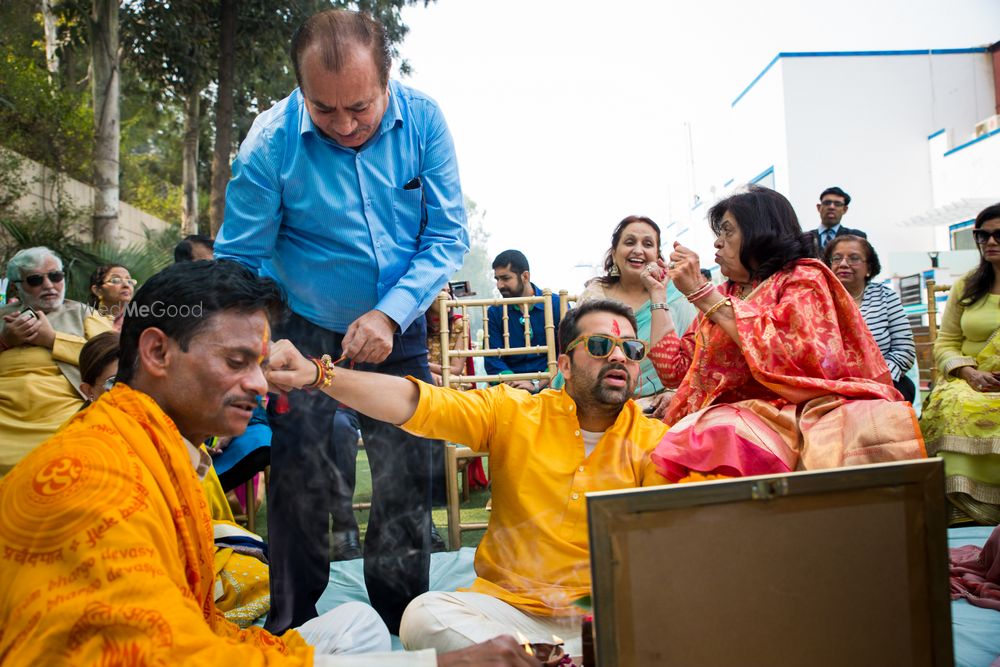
779 371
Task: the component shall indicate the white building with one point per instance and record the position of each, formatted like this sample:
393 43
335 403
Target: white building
911 135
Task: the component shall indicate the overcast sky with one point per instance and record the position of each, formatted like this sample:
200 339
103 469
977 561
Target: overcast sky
568 116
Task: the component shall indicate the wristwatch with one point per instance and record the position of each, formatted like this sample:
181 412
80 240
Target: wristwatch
659 306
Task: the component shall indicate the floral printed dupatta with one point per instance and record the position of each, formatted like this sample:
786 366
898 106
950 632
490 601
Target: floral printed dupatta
805 388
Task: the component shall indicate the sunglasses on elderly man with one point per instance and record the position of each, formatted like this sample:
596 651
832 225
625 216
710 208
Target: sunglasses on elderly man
982 236
36 279
600 346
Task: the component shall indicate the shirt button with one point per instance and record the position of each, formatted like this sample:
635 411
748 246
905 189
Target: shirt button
576 496
581 468
576 433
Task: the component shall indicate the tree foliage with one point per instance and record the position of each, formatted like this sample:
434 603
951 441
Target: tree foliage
169 51
42 121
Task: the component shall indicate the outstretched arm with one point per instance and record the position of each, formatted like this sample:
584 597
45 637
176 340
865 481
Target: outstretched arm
384 397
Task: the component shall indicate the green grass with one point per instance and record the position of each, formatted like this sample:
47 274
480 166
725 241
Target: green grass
472 511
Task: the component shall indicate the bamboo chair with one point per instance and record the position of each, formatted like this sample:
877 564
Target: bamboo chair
932 321
457 456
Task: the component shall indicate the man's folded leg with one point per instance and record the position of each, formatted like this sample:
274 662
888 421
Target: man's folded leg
352 627
451 621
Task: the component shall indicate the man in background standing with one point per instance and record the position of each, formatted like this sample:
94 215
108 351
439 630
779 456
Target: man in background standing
347 194
832 207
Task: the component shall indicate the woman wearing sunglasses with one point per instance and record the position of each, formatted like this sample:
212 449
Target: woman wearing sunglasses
779 370
40 342
961 420
111 290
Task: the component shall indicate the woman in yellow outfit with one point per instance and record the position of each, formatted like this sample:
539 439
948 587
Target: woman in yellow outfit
961 422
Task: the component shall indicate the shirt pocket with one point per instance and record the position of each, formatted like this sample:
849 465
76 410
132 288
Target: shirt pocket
407 212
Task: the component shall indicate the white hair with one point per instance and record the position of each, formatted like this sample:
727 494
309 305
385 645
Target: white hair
24 261
29 258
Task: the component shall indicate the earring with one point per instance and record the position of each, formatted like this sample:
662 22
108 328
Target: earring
614 271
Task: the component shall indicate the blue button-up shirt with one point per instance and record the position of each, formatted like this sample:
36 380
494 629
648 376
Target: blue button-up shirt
335 226
519 363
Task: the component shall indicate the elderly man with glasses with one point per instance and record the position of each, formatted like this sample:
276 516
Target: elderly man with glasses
832 206
40 342
547 450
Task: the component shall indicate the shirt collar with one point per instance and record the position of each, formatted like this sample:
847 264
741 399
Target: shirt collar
629 412
537 292
200 460
835 229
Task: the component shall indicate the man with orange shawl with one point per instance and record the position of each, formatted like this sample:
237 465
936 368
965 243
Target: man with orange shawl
106 549
779 370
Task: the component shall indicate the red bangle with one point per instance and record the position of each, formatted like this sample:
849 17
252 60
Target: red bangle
705 288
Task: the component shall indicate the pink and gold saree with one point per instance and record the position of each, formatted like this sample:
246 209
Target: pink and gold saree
804 388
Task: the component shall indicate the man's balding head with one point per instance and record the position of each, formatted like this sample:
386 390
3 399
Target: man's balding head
335 32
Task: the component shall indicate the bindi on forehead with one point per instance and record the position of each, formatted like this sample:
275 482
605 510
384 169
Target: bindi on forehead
615 329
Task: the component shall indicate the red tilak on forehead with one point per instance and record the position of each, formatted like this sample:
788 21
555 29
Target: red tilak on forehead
614 328
265 344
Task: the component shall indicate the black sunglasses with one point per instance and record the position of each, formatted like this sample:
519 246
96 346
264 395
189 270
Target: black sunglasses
983 235
36 279
601 346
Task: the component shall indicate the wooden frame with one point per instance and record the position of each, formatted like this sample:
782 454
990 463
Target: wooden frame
836 567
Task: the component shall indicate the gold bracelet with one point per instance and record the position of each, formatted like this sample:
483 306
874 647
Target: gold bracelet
717 305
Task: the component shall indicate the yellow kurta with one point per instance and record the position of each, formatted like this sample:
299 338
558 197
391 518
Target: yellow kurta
964 329
35 397
106 551
535 553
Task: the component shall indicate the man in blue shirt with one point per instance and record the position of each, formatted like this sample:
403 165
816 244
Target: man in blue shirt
347 194
510 269
832 207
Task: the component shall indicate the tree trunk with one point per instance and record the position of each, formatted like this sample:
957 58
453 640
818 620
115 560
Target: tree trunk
189 171
107 127
223 113
51 37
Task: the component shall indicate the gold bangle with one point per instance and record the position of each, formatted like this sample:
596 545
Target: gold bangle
716 306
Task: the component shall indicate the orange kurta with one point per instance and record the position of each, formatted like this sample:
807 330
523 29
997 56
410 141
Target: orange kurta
535 553
106 551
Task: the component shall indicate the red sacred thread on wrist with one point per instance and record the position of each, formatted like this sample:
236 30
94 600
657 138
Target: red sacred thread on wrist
324 372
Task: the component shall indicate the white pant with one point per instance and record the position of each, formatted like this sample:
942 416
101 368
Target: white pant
352 627
450 621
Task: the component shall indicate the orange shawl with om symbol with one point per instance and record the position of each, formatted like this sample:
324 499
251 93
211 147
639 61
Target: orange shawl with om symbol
805 387
106 551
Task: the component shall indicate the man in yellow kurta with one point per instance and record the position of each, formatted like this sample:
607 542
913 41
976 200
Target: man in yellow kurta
106 554
40 342
546 451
